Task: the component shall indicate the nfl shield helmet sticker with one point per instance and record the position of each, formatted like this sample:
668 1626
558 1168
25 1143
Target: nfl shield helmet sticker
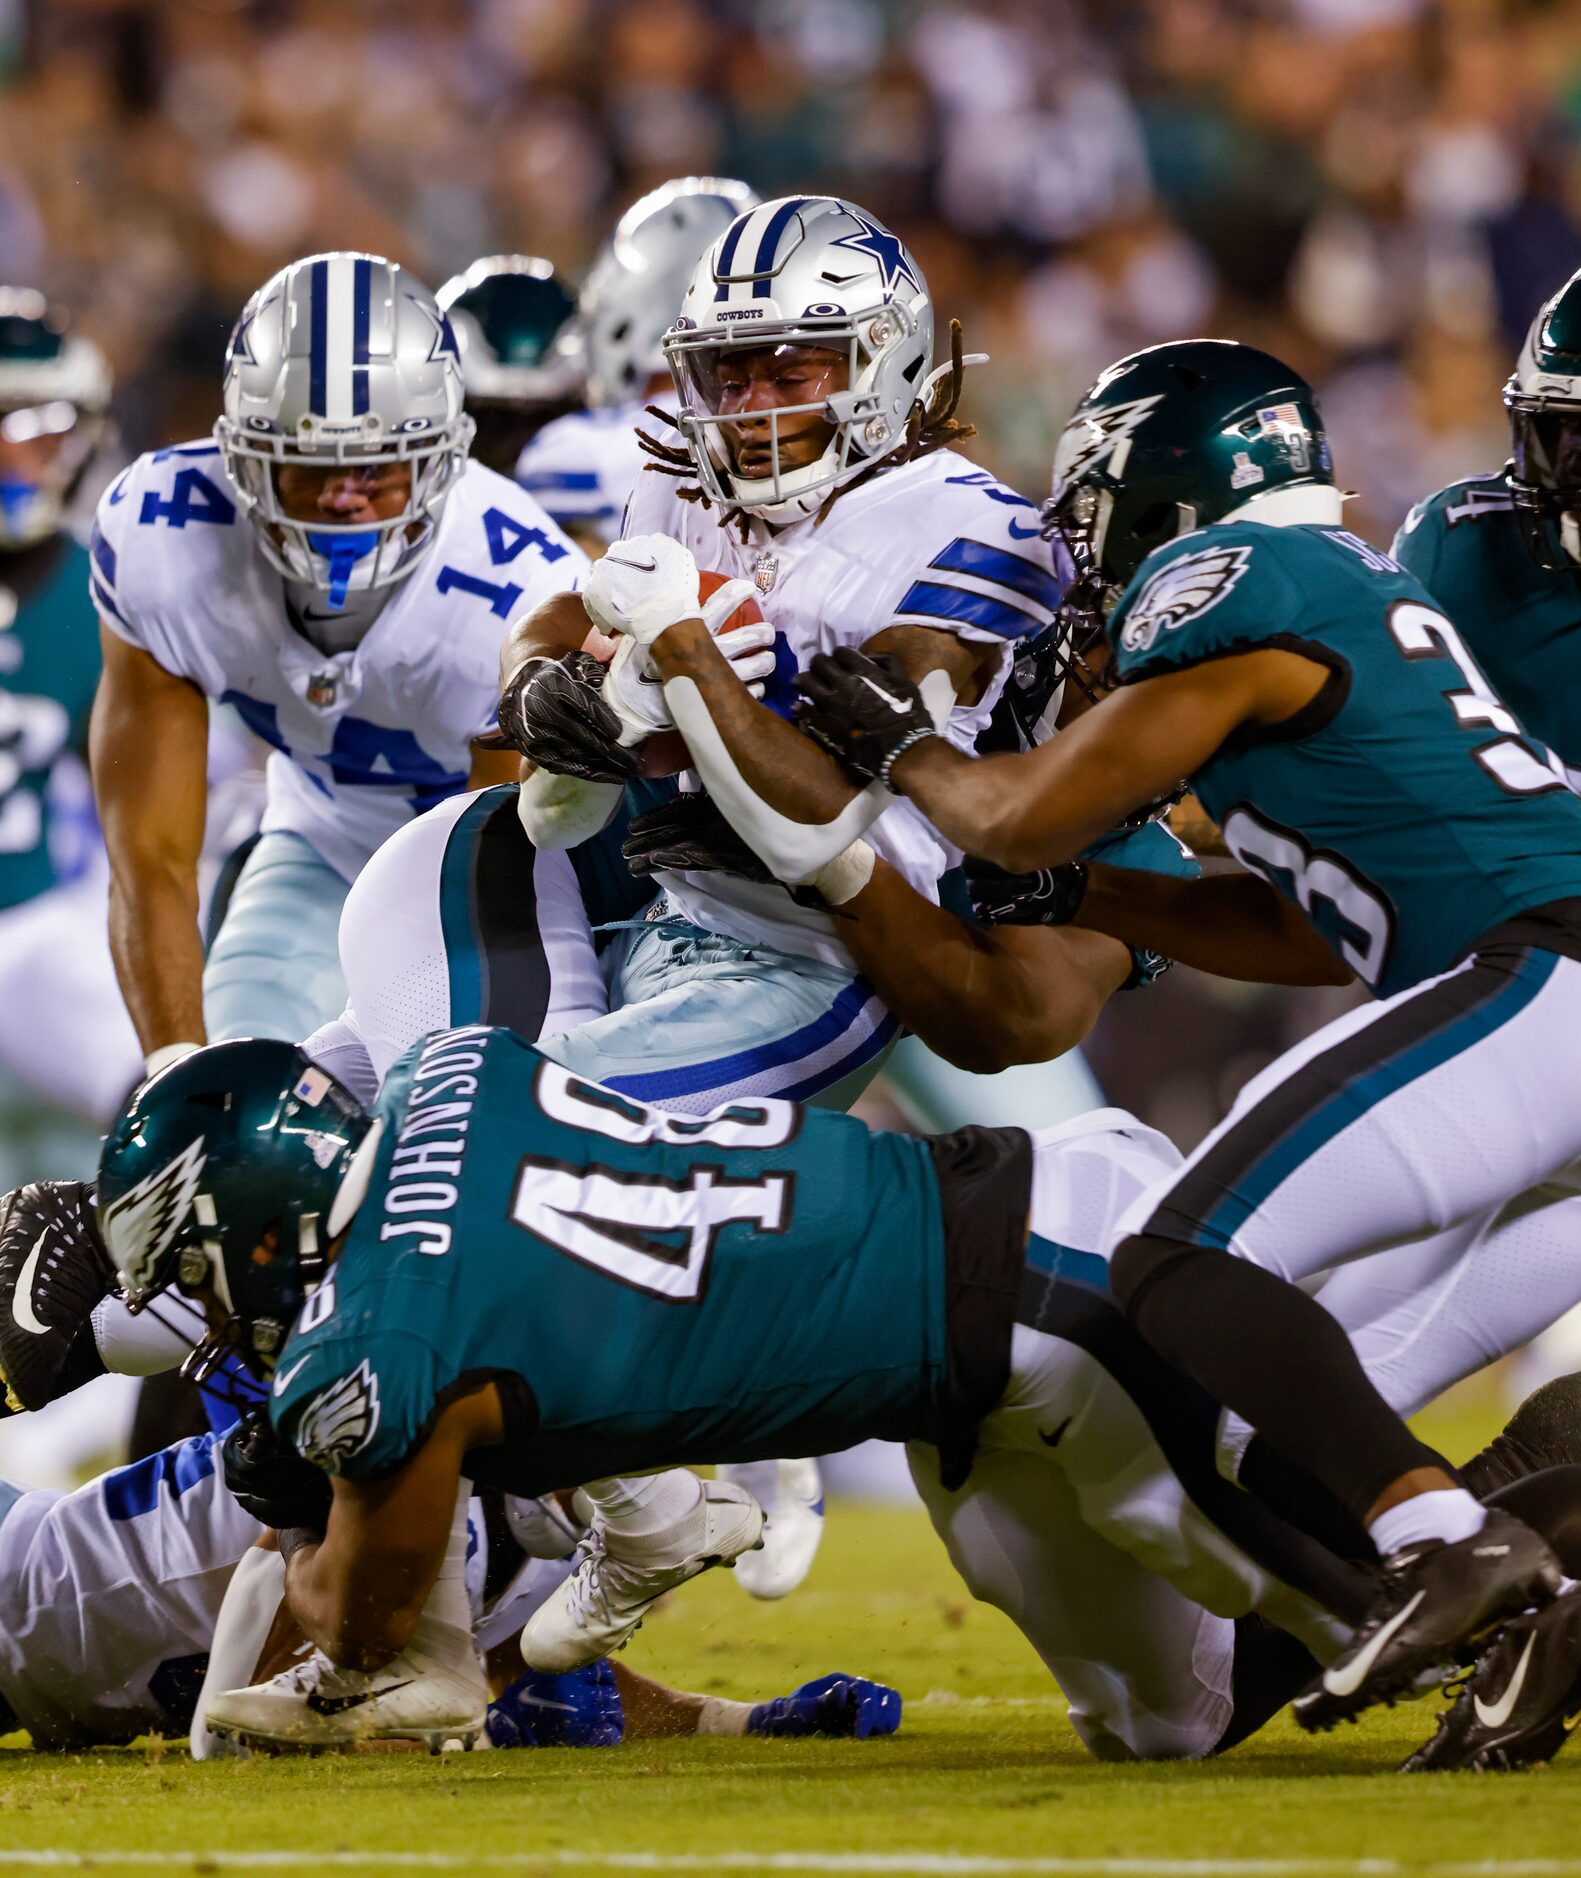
1183 591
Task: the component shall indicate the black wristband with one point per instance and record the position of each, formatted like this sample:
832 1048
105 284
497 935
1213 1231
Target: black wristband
292 1539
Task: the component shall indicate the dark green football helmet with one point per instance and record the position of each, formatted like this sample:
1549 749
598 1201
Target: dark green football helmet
221 1175
1169 440
1543 398
521 354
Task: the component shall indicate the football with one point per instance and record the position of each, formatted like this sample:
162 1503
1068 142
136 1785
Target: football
665 752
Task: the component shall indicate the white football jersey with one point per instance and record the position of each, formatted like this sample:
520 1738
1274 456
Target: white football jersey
935 542
583 467
363 739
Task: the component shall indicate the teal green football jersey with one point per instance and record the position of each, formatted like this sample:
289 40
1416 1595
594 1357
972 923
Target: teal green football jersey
49 667
1403 810
644 1288
1521 621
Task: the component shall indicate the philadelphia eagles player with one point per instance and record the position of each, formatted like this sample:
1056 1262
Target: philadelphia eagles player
1329 718
1501 553
766 1280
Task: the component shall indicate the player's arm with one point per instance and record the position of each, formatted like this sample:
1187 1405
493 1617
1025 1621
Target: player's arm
148 747
1233 925
1046 806
982 997
491 766
359 1591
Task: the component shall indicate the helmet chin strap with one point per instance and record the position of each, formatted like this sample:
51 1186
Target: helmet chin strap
343 552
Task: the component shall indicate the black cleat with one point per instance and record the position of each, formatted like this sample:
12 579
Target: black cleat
1545 1431
1521 1702
53 1270
1434 1603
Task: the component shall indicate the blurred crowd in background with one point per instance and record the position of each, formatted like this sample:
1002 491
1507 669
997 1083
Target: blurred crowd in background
1381 191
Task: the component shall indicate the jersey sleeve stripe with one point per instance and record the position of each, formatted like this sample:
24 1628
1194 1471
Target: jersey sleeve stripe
924 600
103 554
101 599
1014 571
534 480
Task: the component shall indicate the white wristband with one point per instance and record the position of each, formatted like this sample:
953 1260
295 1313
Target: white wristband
166 1054
846 875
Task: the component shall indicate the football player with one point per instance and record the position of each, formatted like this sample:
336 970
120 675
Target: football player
767 1279
64 1034
1327 715
331 564
521 355
584 466
1501 553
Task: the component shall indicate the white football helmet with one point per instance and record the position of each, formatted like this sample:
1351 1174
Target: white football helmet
804 271
343 359
54 383
633 290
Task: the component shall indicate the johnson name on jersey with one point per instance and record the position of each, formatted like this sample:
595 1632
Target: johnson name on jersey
935 543
362 739
1522 622
1402 810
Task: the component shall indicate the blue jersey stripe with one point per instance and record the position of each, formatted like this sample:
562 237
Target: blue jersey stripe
694 1078
535 480
105 603
879 1039
318 337
1010 570
103 554
769 243
971 609
132 1490
362 296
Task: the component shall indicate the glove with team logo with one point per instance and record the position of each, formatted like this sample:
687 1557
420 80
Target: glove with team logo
1048 896
866 712
270 1480
54 1268
552 712
689 835
643 587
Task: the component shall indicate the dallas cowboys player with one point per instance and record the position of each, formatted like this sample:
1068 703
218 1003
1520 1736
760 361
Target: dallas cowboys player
333 566
584 466
1501 553
1358 761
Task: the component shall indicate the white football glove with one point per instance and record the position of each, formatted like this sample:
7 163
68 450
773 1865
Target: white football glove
633 690
642 587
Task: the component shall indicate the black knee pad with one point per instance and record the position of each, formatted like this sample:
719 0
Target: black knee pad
1138 1262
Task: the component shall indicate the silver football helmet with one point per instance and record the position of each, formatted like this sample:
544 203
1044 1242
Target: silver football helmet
633 290
804 271
343 360
54 391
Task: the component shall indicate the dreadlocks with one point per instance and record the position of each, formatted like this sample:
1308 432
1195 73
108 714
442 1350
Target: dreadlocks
932 426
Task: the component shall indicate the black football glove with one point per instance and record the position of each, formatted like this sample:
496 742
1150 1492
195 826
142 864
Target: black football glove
552 713
865 712
54 1268
1048 896
270 1480
689 835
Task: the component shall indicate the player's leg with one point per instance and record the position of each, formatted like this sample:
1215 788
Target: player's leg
1390 1125
274 967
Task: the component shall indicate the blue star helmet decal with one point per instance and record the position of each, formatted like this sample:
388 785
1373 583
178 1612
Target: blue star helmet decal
884 247
444 337
240 347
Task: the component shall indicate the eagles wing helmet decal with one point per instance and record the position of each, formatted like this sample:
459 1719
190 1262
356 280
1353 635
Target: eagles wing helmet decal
140 1226
1090 438
340 1421
1184 590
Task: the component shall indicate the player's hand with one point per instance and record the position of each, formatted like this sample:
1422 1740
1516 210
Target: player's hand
635 691
552 712
54 1268
581 1709
689 835
270 1480
866 712
1048 896
849 1708
642 587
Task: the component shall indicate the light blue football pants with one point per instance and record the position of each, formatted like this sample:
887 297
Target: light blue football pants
274 967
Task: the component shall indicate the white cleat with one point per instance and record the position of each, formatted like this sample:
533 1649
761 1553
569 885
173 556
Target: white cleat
618 1578
791 1493
315 1706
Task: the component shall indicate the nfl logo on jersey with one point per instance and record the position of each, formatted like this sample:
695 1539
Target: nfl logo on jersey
765 573
321 689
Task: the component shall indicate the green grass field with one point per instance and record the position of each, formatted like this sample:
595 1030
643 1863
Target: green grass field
985 1775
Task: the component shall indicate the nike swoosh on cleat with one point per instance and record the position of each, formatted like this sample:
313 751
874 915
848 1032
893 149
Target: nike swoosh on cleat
897 705
1496 1714
1053 1440
22 1298
1348 1680
339 1704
